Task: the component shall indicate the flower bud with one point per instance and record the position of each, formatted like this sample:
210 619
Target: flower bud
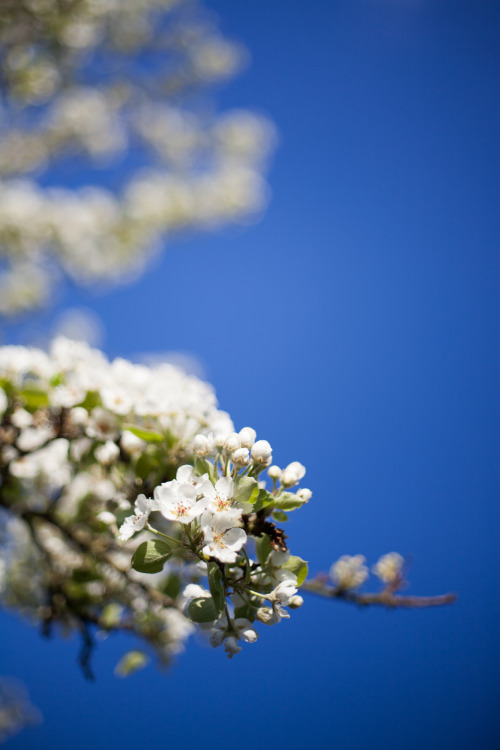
203 445
295 601
241 457
292 474
274 472
262 452
247 437
233 442
304 494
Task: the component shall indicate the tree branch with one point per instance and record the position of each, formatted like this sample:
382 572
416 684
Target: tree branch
387 598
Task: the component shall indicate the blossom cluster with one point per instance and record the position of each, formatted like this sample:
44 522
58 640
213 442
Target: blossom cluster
221 513
192 167
350 571
96 456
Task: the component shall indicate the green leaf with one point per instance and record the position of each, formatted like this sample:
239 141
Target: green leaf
172 586
149 436
203 609
131 662
246 489
34 399
246 611
288 501
151 556
262 548
216 586
56 380
298 566
91 400
279 516
264 498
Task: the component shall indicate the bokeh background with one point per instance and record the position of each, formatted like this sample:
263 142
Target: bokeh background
356 328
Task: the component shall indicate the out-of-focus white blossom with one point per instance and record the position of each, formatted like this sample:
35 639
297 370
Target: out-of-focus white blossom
389 568
349 572
197 170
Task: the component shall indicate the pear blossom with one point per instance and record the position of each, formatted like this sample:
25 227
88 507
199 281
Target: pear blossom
177 502
222 539
349 572
389 568
220 499
293 473
142 507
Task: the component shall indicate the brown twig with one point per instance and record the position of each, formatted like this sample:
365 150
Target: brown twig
386 598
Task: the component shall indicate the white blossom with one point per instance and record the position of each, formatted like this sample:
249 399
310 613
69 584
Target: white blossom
143 507
349 572
389 568
222 539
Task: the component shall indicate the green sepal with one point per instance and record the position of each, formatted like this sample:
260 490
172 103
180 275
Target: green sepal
288 501
246 490
279 516
149 436
216 586
151 556
262 548
203 609
298 566
131 662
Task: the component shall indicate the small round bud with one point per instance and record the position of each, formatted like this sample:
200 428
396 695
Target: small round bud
292 474
295 601
274 472
304 494
219 440
241 457
232 443
262 452
247 437
203 445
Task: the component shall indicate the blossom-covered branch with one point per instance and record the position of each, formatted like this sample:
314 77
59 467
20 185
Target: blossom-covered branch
128 502
120 87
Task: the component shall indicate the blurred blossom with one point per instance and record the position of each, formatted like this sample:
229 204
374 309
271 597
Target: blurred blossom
16 710
190 169
80 324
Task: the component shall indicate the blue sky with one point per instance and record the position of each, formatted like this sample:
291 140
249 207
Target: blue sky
356 328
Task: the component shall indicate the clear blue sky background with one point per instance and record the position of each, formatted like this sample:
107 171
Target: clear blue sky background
356 328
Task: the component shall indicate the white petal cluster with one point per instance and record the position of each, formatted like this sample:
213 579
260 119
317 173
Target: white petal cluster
142 467
349 572
389 568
